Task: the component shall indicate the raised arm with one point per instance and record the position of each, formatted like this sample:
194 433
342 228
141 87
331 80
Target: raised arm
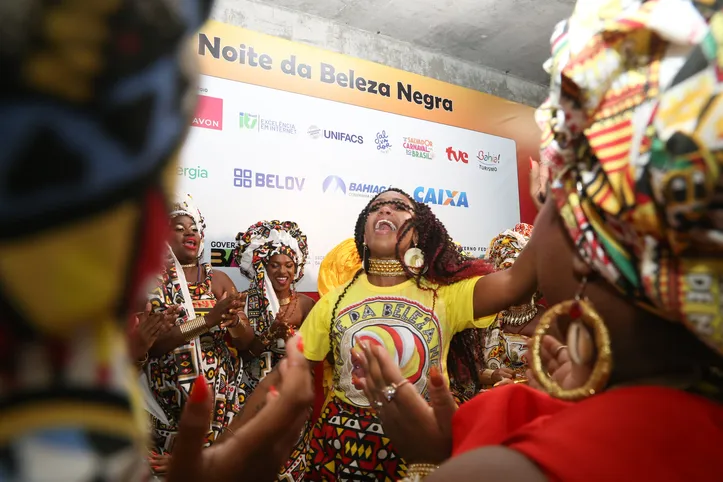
498 291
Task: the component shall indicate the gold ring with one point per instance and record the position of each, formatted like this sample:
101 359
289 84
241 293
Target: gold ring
559 349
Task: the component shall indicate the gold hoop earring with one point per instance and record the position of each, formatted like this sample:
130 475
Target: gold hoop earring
580 310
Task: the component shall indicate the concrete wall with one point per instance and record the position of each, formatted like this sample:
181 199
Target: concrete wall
329 35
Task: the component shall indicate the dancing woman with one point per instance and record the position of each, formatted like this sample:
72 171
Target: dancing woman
416 290
630 257
272 255
505 341
197 345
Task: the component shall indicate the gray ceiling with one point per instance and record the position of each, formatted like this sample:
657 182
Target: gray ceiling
511 36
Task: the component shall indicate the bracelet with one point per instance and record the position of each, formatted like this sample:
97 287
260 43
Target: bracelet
417 472
487 372
140 363
191 329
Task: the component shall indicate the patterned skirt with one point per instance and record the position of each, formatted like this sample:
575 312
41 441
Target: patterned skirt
348 444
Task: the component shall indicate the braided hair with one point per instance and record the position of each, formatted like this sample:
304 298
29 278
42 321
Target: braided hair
444 262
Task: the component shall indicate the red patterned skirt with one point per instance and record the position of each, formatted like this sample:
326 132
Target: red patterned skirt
348 443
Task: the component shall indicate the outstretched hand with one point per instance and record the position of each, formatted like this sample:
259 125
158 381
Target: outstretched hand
147 327
539 177
257 449
419 432
556 360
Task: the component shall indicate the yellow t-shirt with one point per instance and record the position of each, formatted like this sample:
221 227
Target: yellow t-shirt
400 318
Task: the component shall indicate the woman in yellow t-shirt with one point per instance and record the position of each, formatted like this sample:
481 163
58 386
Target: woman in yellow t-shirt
414 292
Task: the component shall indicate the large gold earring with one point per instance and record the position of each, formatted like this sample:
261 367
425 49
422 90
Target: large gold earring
581 311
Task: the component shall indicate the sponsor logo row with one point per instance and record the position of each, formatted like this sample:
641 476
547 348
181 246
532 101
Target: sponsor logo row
332 185
222 254
209 115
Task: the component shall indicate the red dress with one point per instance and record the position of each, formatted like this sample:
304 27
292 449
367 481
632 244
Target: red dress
636 433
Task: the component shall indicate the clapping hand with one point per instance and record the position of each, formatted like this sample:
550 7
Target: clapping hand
147 327
255 451
420 433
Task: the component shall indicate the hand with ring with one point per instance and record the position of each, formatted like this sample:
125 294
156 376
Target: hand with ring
556 360
419 432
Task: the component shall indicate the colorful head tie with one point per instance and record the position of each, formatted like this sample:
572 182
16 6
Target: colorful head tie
633 133
339 266
184 206
507 246
254 249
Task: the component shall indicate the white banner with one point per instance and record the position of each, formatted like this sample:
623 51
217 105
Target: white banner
256 153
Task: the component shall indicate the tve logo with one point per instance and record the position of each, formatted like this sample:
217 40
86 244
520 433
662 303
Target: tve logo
334 184
209 113
443 197
192 173
246 178
488 161
458 156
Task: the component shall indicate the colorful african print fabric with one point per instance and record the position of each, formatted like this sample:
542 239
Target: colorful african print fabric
632 134
505 350
95 99
465 362
348 443
171 376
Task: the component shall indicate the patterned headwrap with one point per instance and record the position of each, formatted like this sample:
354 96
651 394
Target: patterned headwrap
507 246
632 132
254 249
183 205
95 102
339 266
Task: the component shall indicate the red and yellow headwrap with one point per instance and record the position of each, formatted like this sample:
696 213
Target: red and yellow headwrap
633 134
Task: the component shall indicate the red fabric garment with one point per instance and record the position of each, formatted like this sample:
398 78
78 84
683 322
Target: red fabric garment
636 433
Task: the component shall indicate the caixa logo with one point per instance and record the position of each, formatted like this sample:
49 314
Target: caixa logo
443 197
246 178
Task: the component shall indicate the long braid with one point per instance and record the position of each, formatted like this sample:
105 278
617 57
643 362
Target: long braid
333 313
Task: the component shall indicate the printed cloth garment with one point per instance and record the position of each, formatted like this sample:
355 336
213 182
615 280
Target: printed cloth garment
86 166
631 133
254 248
505 350
415 325
172 375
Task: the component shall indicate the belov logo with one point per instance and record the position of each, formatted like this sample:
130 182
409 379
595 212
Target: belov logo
335 184
459 156
488 161
192 173
246 178
443 197
419 148
254 122
209 113
382 142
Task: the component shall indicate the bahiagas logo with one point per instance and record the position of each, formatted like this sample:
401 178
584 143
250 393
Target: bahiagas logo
209 113
408 330
335 184
442 197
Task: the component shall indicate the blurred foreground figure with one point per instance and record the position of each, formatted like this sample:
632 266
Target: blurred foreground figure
95 101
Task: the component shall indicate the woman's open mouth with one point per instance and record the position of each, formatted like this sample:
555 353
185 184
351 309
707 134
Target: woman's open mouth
385 226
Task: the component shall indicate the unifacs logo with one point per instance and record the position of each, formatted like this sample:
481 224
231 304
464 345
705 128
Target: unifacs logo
314 132
487 161
245 178
209 113
255 122
343 136
443 197
382 142
334 184
419 148
192 173
459 156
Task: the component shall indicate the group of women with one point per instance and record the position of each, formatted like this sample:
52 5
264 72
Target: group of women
625 363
